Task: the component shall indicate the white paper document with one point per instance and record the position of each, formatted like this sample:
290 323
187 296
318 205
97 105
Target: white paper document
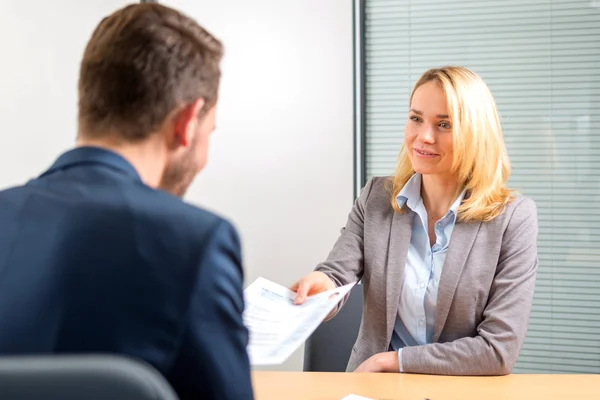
278 326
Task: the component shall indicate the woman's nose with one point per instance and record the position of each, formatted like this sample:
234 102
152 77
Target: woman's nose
427 134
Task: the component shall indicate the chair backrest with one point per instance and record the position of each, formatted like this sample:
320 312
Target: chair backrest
329 347
80 377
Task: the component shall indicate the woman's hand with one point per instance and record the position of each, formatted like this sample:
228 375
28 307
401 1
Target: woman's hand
380 362
313 283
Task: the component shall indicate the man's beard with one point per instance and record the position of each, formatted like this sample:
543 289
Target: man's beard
178 176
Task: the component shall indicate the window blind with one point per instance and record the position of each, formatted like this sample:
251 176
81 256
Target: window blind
541 59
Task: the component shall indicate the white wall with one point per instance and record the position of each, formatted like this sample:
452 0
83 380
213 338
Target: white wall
42 43
281 159
281 162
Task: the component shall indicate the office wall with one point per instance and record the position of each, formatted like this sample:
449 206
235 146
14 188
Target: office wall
42 43
281 160
281 163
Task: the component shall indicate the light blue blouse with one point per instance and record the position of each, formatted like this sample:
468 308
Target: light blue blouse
416 312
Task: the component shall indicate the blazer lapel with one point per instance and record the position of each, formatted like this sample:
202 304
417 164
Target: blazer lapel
462 240
400 233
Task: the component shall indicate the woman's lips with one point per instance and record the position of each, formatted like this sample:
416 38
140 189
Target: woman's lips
425 153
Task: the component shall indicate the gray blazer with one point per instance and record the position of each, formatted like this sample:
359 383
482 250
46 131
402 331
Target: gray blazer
485 290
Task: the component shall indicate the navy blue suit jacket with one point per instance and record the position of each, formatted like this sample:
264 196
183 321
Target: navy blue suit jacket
94 261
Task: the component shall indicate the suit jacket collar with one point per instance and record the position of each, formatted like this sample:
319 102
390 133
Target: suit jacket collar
463 238
400 233
93 155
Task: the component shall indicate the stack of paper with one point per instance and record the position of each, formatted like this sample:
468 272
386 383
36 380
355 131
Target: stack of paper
278 326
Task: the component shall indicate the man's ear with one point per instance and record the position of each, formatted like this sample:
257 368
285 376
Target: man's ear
186 121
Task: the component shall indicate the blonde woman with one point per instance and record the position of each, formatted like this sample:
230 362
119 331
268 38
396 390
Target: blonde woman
447 253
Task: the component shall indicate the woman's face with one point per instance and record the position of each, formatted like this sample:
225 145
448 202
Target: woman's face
428 132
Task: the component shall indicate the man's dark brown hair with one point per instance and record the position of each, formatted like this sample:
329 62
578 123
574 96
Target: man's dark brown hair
141 63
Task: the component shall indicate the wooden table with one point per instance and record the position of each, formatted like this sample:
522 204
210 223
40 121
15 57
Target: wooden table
334 386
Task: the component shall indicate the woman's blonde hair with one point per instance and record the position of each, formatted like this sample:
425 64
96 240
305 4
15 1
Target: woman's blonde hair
480 160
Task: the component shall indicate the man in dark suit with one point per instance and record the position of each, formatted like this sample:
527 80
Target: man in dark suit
99 254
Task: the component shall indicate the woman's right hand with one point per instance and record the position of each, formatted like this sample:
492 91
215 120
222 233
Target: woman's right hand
313 283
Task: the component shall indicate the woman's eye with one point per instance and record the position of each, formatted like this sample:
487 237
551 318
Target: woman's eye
445 125
415 119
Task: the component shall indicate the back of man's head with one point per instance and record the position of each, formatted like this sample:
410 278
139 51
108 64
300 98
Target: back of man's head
143 62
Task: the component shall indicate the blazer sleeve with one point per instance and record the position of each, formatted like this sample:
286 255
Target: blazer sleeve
501 334
344 264
213 361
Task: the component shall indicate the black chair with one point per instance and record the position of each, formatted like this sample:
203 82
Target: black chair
79 378
329 347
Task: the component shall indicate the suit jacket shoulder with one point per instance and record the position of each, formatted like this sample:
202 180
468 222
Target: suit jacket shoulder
171 210
379 191
518 211
121 267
